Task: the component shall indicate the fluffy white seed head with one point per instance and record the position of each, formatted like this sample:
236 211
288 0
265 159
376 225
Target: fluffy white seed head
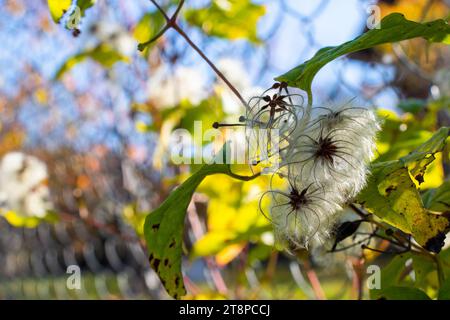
303 215
334 148
324 156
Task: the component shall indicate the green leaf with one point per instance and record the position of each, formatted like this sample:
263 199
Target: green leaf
58 8
392 142
438 199
444 291
230 19
149 25
422 156
391 274
444 258
103 54
84 5
424 270
401 293
412 105
393 28
213 242
391 194
259 253
163 228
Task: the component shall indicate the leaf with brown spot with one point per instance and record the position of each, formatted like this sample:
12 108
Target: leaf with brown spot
163 228
392 195
438 199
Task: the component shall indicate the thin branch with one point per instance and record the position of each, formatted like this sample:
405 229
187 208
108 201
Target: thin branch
161 10
217 71
244 178
142 46
177 11
171 23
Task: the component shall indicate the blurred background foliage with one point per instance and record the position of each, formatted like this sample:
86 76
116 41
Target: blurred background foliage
86 123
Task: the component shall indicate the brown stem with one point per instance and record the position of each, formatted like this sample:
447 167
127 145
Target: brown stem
171 23
204 57
177 11
160 10
398 237
244 178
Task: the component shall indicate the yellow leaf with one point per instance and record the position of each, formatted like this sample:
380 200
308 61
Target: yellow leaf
19 221
229 253
58 8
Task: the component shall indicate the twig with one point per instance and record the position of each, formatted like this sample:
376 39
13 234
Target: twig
171 23
399 239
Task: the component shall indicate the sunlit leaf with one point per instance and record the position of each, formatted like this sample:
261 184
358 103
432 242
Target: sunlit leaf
399 136
84 5
164 227
103 54
422 156
438 199
414 10
403 133
149 25
58 8
229 253
230 19
214 242
391 194
393 28
163 231
20 221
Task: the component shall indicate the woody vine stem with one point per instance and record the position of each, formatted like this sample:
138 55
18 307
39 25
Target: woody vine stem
171 23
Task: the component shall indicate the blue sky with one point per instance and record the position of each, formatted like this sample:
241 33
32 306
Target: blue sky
23 43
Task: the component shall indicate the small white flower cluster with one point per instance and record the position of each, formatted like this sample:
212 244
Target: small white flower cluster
23 186
324 156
